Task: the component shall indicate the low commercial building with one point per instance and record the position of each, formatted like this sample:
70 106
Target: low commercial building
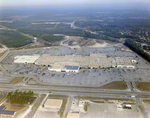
6 112
26 59
53 104
73 115
124 62
65 67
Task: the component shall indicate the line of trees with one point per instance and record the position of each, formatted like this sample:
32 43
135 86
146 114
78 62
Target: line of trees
136 48
20 97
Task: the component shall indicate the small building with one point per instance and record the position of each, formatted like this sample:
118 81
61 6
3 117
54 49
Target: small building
6 112
35 40
81 103
127 106
26 59
73 115
77 106
53 104
125 66
134 61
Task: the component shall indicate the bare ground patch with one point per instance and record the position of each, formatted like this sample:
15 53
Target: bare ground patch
143 86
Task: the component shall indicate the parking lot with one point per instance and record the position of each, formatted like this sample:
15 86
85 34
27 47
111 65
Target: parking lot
107 110
92 77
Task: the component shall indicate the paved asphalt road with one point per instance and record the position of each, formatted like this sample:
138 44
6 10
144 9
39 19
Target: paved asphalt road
78 91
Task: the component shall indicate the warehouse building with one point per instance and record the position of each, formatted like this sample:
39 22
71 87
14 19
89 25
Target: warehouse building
26 59
6 113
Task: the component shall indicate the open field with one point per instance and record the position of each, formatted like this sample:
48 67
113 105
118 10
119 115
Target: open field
3 97
86 106
143 86
146 101
103 100
15 80
13 39
63 106
120 85
1 54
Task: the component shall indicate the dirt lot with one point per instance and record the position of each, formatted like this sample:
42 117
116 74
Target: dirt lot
143 86
47 113
63 106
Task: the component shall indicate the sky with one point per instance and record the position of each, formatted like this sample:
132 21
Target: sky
13 3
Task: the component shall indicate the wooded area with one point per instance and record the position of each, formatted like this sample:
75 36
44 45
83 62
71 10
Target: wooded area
136 48
20 97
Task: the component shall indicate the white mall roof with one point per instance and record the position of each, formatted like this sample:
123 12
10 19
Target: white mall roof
26 58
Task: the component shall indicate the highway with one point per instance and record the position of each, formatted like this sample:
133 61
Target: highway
78 91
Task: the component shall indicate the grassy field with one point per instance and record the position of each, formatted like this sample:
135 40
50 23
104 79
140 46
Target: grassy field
146 101
119 85
51 38
86 106
36 105
13 39
143 86
3 98
15 80
1 54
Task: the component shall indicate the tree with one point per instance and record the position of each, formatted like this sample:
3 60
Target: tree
20 97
